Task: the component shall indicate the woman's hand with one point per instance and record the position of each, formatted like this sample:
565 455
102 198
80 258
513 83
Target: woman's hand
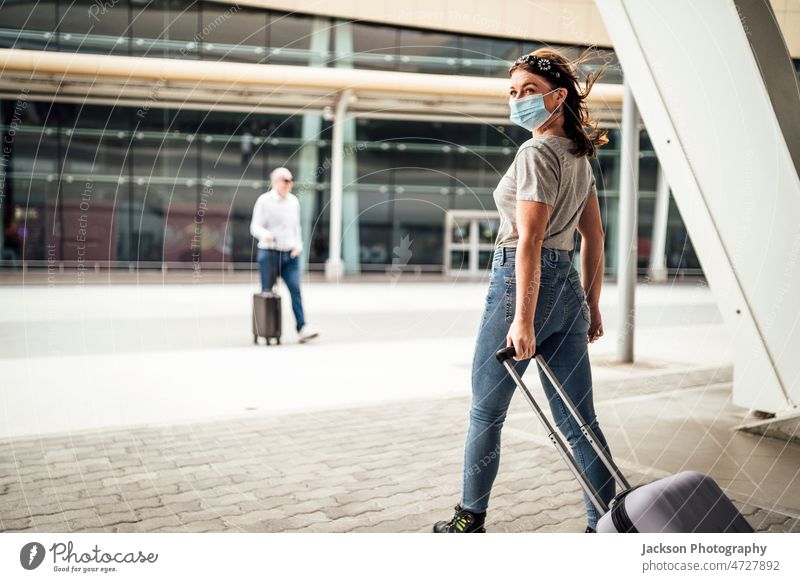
522 337
596 326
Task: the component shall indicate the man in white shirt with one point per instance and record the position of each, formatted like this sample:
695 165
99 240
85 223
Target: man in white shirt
276 227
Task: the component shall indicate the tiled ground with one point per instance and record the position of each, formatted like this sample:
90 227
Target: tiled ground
112 415
391 468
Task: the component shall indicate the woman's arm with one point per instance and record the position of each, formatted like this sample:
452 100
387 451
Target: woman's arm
532 219
592 256
590 228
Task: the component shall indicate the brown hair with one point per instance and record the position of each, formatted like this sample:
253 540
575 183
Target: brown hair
563 72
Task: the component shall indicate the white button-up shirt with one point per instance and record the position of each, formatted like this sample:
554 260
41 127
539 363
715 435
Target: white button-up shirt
279 217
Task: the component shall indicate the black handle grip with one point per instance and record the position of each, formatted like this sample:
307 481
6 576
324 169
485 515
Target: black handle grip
509 352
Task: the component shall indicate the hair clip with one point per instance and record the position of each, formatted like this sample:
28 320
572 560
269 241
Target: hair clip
543 64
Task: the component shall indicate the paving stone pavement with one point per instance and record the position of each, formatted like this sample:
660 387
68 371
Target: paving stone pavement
391 468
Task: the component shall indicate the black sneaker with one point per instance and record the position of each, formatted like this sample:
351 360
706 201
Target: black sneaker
589 530
462 522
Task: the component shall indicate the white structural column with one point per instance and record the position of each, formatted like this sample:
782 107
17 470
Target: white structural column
351 246
626 242
733 167
308 156
658 248
334 266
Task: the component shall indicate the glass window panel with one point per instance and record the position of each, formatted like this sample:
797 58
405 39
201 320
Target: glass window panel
419 169
165 28
496 135
89 26
680 252
472 201
35 151
29 227
493 168
84 115
230 159
644 232
165 157
86 156
148 215
38 25
375 225
426 43
287 34
234 34
372 168
243 244
454 134
374 207
318 253
606 173
181 234
419 244
88 223
420 209
372 43
22 15
613 74
475 51
644 141
468 172
424 51
231 146
153 119
485 259
234 124
487 230
212 222
166 146
648 173
516 136
459 260
613 135
460 230
375 244
505 50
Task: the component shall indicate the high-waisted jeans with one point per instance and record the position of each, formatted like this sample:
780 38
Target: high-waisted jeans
561 323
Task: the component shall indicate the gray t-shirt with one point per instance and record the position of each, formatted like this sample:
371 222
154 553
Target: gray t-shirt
545 170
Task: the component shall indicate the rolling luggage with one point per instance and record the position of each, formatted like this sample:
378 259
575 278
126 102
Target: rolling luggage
267 317
688 502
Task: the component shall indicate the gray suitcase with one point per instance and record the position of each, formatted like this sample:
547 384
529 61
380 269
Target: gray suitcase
688 502
267 317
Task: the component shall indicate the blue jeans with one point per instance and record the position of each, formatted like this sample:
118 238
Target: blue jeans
273 264
561 323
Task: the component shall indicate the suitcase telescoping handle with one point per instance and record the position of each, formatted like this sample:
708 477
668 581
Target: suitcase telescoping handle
504 356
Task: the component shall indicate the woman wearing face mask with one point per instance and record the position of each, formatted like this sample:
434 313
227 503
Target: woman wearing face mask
535 296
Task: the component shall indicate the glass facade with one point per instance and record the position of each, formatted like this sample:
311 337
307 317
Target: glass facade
122 186
221 31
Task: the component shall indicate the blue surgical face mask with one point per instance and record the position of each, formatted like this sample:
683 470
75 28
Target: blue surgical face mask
530 112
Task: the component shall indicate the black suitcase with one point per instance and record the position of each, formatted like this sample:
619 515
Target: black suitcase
267 317
688 502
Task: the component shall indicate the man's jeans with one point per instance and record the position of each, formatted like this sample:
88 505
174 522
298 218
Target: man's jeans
273 264
561 323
